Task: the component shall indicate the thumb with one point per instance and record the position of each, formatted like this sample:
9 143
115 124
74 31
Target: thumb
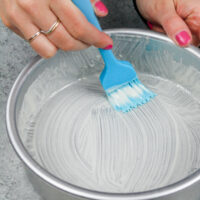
176 28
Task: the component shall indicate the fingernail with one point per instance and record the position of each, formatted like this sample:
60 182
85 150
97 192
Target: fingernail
110 46
183 38
150 25
99 5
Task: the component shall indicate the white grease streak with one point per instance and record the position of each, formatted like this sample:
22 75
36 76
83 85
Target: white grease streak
78 137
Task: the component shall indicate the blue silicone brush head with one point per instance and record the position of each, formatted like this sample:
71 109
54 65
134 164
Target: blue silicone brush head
121 84
129 95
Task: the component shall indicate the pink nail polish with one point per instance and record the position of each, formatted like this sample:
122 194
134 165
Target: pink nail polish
110 46
150 25
183 38
101 7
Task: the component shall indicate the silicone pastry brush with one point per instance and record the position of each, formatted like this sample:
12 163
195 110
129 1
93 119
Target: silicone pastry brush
119 79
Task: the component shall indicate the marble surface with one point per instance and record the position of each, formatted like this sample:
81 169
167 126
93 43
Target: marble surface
15 53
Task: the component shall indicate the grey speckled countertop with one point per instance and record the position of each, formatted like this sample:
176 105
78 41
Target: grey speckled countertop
15 53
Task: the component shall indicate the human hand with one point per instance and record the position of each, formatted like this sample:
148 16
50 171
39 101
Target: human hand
179 19
74 32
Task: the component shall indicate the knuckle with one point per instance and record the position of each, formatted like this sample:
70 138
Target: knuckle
196 12
169 21
79 31
23 3
7 23
29 5
194 23
54 2
67 47
11 13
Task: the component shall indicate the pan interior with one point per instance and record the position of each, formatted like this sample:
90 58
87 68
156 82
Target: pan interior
67 125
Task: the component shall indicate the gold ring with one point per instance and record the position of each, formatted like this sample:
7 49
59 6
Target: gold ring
53 27
34 37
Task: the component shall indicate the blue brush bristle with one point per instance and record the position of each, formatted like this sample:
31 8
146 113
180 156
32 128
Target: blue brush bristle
128 96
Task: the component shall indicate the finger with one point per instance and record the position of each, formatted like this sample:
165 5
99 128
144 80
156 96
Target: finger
175 27
18 32
155 27
63 40
195 40
193 22
158 29
99 7
150 25
78 26
40 44
44 18
12 27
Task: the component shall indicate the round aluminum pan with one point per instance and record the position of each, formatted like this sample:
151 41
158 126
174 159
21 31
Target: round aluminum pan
67 187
